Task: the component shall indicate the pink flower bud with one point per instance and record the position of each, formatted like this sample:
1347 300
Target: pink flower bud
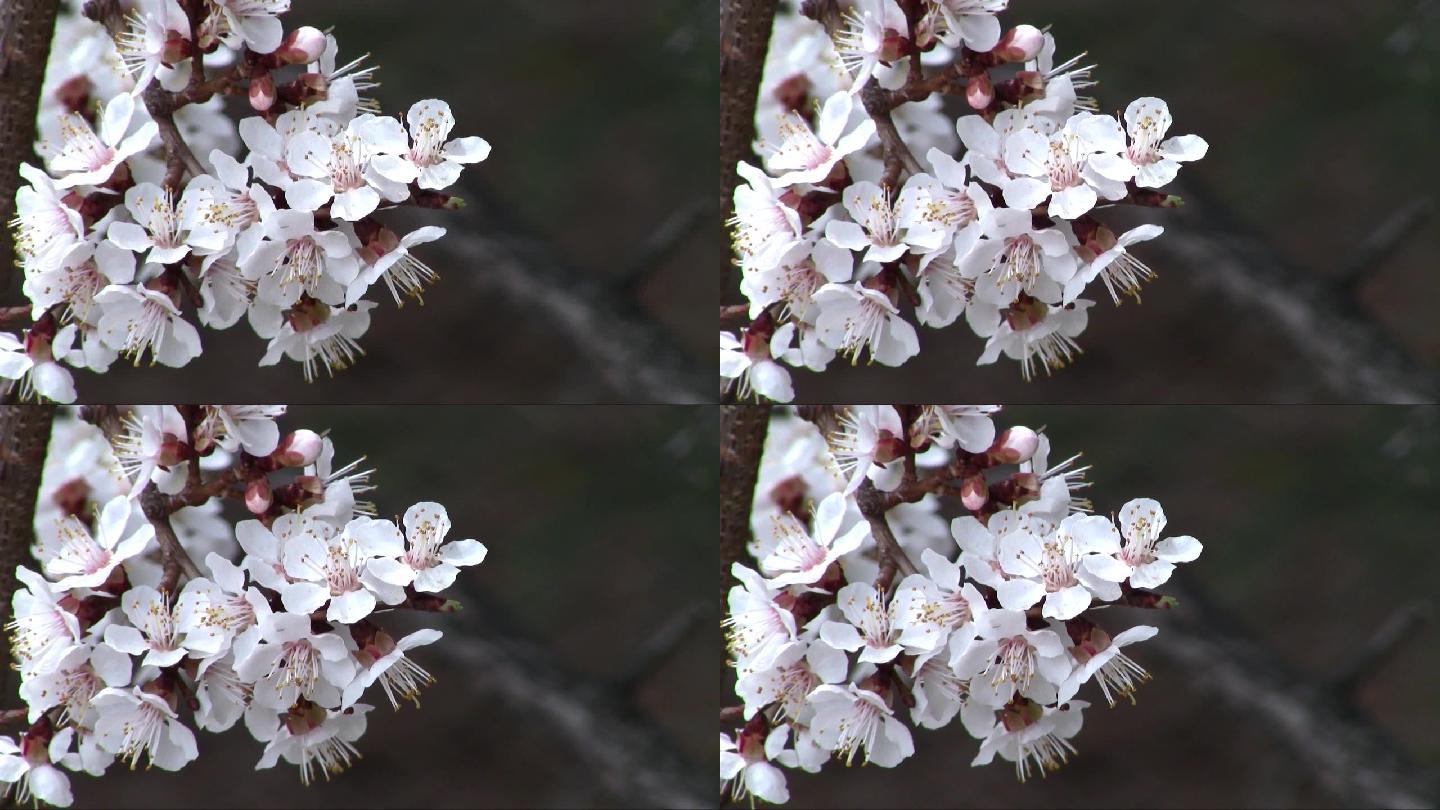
301 46
262 93
1015 445
1020 43
257 496
298 449
979 92
974 492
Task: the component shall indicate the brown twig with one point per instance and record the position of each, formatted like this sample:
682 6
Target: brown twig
12 314
897 154
174 559
161 105
873 505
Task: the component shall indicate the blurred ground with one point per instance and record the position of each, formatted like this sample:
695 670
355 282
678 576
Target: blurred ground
1318 117
1318 523
597 120
598 523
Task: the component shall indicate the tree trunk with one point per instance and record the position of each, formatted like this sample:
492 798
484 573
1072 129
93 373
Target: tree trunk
24 436
744 36
742 438
26 27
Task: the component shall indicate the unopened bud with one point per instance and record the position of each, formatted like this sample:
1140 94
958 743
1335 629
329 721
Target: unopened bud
257 496
1020 43
979 92
974 492
298 449
262 93
301 46
1015 445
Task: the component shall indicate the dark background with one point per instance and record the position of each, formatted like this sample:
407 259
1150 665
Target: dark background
1318 524
602 123
598 523
1319 118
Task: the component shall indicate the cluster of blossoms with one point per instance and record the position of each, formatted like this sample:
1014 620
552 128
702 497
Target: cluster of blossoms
125 645
839 256
142 220
840 636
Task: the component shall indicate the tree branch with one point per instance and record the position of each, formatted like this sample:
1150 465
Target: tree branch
626 754
174 559
897 154
1388 235
1339 746
873 504
161 105
1382 646
24 438
1348 350
634 356
651 653
26 28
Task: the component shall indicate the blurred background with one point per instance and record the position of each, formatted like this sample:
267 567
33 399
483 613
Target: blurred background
1319 185
590 202
1319 529
597 522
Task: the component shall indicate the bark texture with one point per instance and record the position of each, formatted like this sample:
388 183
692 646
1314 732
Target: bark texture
24 436
26 27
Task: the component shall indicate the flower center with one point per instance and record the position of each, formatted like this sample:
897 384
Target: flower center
799 148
